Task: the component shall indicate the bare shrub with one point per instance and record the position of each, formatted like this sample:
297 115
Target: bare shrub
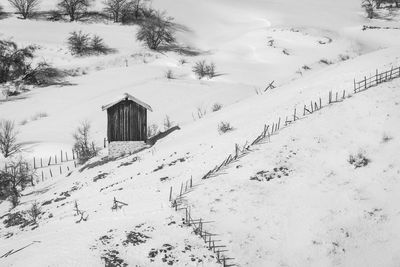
168 123
34 212
99 47
182 61
14 61
23 122
344 57
81 44
169 74
386 138
8 138
75 9
116 8
83 146
369 7
25 7
202 69
359 160
39 115
152 130
200 112
216 107
14 179
136 11
224 127
44 75
157 31
326 61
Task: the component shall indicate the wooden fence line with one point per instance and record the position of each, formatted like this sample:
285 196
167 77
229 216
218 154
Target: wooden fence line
268 130
197 225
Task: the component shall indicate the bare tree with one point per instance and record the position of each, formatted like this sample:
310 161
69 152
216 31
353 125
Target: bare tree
138 7
25 7
8 138
84 147
116 8
14 60
75 9
14 179
157 31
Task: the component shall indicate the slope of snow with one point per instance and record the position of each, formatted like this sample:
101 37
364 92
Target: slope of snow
324 212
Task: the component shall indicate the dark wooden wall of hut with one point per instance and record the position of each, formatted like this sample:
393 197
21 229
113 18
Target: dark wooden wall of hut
127 121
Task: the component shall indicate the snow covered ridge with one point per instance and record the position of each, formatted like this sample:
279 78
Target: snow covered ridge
181 203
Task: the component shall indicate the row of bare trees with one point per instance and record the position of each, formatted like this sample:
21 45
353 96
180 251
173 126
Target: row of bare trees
371 5
119 10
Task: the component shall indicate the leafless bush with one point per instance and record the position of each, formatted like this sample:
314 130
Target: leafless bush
182 61
157 31
202 69
23 122
216 107
169 74
81 44
83 146
224 127
14 179
200 113
8 138
39 115
359 160
44 75
15 61
168 123
116 8
152 130
386 138
25 7
34 212
326 61
344 57
136 11
369 7
75 9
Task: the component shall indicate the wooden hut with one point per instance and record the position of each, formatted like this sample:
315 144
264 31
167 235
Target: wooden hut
127 119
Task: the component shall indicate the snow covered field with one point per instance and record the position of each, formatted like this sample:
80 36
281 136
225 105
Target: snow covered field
321 211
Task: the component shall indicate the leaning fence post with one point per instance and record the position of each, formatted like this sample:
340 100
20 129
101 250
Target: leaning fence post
191 181
365 82
355 88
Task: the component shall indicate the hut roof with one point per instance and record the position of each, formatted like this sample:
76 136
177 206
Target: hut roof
127 96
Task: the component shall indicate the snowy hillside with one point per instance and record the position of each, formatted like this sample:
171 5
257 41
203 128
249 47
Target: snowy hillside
297 200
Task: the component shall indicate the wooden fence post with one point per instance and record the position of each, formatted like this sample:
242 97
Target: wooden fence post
365 82
61 156
34 163
170 194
